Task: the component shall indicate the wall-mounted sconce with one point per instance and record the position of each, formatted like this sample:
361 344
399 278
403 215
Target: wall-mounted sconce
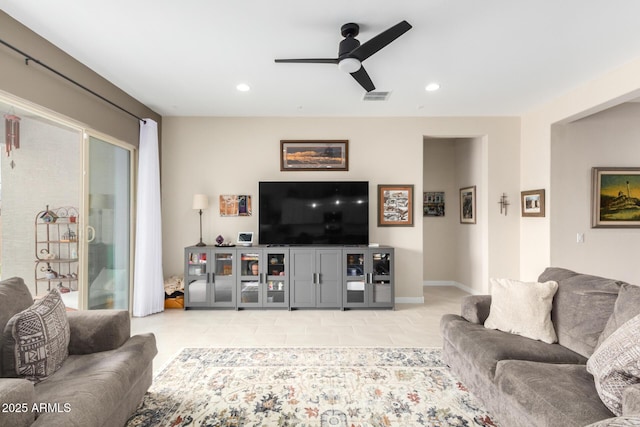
504 202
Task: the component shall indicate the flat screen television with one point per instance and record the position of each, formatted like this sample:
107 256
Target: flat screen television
313 213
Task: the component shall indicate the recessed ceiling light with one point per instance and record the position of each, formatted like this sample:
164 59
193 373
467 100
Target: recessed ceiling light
243 87
431 87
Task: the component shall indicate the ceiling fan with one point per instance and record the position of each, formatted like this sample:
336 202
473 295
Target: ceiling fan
351 53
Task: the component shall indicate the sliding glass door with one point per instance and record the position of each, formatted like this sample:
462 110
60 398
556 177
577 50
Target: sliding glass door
109 225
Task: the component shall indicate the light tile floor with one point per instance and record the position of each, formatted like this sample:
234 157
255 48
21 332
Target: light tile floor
409 325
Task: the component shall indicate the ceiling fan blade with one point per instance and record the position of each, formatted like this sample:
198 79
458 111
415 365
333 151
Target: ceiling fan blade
363 78
309 61
381 40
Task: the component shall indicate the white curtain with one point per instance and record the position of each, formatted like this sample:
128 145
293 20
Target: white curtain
148 280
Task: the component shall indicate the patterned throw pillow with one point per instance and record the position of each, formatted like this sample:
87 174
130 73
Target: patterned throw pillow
522 308
41 337
615 365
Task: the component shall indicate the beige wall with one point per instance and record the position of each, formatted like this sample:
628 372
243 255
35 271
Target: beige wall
230 155
35 84
536 238
607 139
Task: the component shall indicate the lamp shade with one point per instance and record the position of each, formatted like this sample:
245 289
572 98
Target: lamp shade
200 201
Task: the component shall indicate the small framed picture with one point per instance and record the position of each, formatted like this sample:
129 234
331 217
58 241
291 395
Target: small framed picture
468 205
395 205
433 203
314 155
616 198
532 203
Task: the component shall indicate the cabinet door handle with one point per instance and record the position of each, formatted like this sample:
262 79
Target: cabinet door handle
91 231
213 277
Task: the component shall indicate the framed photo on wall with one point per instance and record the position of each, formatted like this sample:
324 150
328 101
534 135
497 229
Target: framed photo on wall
314 155
532 203
616 197
433 203
395 205
468 205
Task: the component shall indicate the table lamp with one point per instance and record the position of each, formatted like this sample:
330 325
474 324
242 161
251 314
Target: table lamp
200 202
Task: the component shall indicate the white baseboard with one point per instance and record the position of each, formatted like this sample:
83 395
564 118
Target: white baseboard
450 283
409 300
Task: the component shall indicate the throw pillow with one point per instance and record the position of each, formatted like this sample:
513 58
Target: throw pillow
627 306
615 365
522 308
40 337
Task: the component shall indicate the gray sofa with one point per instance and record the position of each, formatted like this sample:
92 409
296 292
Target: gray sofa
100 383
524 382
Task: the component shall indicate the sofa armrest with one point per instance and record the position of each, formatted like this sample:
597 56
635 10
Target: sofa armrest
17 397
475 308
98 330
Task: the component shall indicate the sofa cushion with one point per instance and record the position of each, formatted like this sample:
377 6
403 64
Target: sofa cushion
615 365
102 388
627 306
581 307
522 308
557 395
14 297
483 348
40 337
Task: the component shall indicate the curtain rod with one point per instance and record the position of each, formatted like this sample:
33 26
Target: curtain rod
28 58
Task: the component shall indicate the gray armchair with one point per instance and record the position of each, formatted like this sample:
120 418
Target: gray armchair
101 382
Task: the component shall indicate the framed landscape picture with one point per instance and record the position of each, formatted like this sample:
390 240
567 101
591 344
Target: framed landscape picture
532 203
433 203
314 155
395 205
468 205
616 197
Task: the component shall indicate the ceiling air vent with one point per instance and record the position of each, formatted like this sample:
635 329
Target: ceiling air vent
376 96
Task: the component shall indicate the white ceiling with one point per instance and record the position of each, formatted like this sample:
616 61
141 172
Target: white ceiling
491 57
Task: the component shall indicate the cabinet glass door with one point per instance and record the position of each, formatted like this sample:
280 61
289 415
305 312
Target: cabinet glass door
196 280
355 280
275 264
381 287
222 278
249 278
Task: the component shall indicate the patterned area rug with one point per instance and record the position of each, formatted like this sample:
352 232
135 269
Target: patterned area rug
305 387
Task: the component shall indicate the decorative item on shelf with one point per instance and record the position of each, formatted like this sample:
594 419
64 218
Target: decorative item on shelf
49 216
219 240
69 236
200 202
73 219
50 273
503 202
49 256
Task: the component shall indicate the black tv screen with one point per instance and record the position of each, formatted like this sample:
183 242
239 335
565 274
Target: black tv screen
313 213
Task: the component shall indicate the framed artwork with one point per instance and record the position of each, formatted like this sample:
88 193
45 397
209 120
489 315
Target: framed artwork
235 205
314 155
433 203
395 205
468 205
532 203
616 198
